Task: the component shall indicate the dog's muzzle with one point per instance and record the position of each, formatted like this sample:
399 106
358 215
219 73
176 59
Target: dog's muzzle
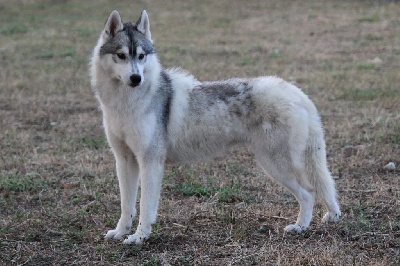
135 79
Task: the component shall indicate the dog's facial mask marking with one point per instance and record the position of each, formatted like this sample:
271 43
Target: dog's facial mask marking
126 47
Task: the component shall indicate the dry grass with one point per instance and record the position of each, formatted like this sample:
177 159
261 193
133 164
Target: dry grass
58 190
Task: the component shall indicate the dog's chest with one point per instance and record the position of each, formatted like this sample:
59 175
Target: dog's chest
117 124
137 130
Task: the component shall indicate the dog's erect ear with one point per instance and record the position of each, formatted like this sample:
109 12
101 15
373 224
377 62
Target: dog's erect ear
113 24
143 25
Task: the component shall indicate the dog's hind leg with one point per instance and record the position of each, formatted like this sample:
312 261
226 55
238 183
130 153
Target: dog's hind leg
286 174
128 177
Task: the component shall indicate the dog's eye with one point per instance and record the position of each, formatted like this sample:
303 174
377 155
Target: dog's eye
121 56
141 56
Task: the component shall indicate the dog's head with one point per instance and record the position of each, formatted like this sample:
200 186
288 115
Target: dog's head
125 48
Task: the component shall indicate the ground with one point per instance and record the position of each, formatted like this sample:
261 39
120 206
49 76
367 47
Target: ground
58 188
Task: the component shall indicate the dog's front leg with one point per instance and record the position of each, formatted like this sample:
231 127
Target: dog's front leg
151 180
128 178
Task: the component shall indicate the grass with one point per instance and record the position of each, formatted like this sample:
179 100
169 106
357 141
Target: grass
372 18
193 189
13 30
15 183
58 189
369 94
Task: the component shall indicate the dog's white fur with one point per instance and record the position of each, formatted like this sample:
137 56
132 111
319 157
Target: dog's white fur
274 118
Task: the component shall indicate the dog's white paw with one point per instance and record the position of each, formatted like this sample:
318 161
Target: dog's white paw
331 217
115 234
294 229
136 239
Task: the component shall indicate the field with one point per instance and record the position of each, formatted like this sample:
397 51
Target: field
58 187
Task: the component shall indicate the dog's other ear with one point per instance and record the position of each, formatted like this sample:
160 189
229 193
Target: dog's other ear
143 25
113 25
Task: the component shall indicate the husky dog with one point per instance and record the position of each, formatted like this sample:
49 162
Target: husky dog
154 116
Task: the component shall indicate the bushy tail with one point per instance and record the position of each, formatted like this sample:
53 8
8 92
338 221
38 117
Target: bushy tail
319 174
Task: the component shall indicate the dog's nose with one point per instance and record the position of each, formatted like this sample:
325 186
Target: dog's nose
135 79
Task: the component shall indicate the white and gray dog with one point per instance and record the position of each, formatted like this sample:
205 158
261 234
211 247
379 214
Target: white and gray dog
154 116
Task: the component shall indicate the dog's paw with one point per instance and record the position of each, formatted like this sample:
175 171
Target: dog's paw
294 229
331 217
136 239
115 234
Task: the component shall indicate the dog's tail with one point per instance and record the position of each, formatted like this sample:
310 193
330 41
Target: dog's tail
318 172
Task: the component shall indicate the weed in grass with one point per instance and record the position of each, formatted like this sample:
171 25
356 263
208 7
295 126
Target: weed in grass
13 30
19 216
96 144
45 55
372 18
156 230
192 188
68 52
109 221
33 236
231 194
274 54
15 183
312 16
373 37
151 262
76 201
366 66
247 61
4 231
76 235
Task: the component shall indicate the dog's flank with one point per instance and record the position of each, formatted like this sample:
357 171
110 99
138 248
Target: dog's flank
154 116
165 89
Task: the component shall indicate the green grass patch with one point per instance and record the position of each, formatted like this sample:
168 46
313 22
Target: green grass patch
230 194
247 61
76 235
225 194
373 18
191 188
94 143
151 262
366 66
15 183
68 52
52 54
274 54
13 30
312 16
